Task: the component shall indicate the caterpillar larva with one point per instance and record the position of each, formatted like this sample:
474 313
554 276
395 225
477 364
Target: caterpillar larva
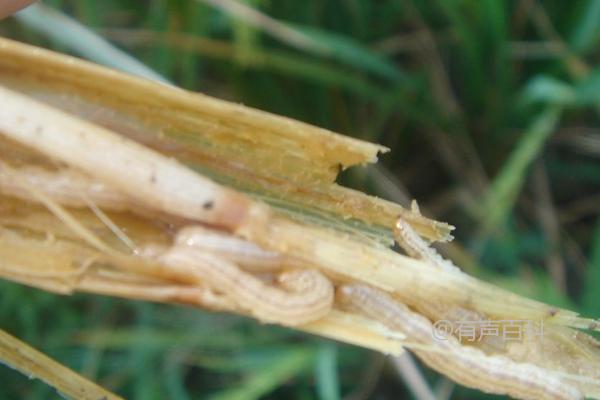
304 295
466 365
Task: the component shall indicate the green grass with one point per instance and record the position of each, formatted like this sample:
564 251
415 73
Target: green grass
469 95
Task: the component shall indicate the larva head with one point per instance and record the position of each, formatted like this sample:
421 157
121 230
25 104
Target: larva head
344 294
302 280
399 225
189 235
152 251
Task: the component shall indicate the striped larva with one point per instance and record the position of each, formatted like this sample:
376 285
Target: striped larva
239 251
305 295
466 365
415 246
161 184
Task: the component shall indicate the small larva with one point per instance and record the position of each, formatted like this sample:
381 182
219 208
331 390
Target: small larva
239 251
305 296
308 295
466 365
415 246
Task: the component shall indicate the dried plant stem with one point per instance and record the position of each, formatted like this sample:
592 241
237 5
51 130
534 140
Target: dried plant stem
67 187
57 268
467 365
131 168
283 160
411 280
32 363
140 224
154 182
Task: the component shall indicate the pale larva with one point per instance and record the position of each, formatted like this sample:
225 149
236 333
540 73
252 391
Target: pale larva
242 252
305 296
466 365
415 246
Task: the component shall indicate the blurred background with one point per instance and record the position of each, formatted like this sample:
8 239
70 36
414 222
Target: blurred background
490 108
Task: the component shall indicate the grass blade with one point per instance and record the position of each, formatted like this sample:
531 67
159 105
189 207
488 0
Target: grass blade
262 381
328 387
76 37
32 363
501 197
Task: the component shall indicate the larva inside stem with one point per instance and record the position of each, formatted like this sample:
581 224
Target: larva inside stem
309 298
367 260
242 252
309 295
415 246
466 365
